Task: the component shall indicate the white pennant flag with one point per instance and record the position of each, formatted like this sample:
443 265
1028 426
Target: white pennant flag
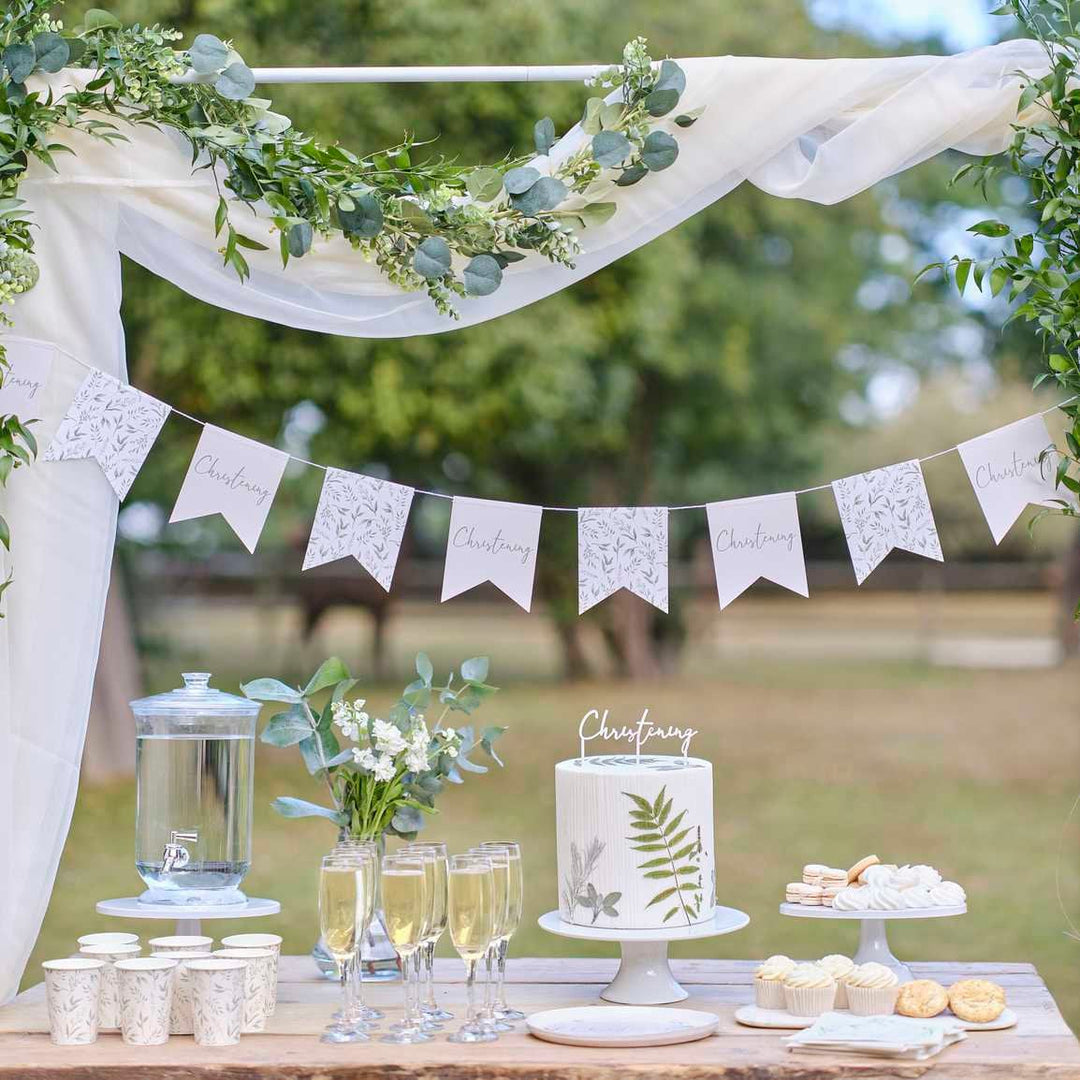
885 509
756 538
29 366
1006 473
113 423
234 477
362 517
492 541
622 547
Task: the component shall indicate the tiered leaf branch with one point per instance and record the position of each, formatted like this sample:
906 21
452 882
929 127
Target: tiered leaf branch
427 223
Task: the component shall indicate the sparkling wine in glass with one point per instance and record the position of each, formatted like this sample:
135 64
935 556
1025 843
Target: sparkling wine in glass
341 910
470 909
435 865
515 904
500 906
405 907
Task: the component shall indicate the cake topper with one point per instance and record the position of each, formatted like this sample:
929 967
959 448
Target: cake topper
638 734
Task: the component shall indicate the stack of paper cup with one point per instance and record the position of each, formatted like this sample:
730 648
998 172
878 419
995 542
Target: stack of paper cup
145 999
110 938
109 999
258 984
182 943
217 1000
72 986
258 941
180 1017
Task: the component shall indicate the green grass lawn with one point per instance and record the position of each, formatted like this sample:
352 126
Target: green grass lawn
823 761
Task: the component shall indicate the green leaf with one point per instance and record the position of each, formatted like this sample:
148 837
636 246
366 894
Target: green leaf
300 236
330 673
287 728
610 148
5 534
594 214
664 811
660 897
642 804
545 194
673 911
672 77
989 228
424 668
657 874
289 807
484 185
475 670
19 61
679 836
407 819
590 120
659 151
236 82
482 275
51 50
432 258
650 847
683 852
674 823
961 273
611 114
221 216
208 55
270 690
998 277
544 135
518 181
688 119
631 175
661 102
100 19
658 805
662 861
364 219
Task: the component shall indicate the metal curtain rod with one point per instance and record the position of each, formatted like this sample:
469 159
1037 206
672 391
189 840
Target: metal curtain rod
506 74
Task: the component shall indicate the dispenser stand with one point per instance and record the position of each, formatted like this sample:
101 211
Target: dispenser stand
188 917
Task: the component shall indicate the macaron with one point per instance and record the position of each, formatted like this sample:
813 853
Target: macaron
860 866
812 873
829 894
793 892
812 895
833 876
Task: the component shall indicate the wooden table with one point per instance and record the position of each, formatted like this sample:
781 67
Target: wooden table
1040 1046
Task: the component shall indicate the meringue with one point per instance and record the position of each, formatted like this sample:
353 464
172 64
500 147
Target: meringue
884 887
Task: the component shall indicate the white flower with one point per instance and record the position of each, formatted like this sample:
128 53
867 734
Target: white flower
384 767
451 751
364 758
388 740
339 710
416 760
448 733
348 728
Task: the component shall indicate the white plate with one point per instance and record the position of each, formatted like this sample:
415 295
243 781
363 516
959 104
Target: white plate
1006 1020
813 911
724 920
621 1025
755 1016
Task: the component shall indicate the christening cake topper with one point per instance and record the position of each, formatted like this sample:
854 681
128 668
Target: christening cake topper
594 725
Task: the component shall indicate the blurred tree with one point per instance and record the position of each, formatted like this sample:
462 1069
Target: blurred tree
695 368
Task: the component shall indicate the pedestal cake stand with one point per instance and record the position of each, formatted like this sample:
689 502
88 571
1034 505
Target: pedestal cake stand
873 941
644 976
188 916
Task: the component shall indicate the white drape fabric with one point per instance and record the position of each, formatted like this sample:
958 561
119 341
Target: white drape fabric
812 129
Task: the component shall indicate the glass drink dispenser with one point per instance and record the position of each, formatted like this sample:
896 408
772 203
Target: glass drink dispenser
194 763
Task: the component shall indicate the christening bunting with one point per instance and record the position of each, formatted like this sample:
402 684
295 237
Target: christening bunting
234 477
113 423
1007 472
885 509
363 517
492 541
622 547
29 367
756 538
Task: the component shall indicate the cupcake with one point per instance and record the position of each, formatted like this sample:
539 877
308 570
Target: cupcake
838 967
769 982
871 989
809 990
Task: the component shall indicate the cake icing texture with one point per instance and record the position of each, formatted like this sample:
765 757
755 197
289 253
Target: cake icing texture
635 841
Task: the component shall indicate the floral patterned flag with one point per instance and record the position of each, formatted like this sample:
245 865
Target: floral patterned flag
363 517
885 509
622 547
1007 469
113 423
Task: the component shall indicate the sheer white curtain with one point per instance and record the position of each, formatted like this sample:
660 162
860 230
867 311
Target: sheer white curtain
812 129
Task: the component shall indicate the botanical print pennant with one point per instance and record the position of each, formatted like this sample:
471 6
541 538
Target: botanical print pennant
29 367
492 541
234 477
363 517
1008 471
113 423
622 547
756 538
885 509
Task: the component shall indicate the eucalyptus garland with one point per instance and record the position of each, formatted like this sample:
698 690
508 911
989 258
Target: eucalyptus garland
426 223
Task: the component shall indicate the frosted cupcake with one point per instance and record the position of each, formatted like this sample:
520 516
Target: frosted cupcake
769 982
872 989
809 990
839 967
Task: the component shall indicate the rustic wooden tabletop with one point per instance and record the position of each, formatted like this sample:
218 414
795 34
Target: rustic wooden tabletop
1041 1045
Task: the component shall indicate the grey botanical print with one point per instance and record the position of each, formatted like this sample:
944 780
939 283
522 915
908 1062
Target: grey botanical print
578 889
622 547
71 996
674 848
145 1003
113 423
359 516
885 509
218 1004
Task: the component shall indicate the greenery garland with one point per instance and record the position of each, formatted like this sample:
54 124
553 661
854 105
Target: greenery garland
412 218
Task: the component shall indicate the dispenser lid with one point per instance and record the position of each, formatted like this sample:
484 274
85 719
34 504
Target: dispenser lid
196 698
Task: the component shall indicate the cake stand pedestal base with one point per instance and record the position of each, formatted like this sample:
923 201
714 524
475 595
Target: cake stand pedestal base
188 918
644 976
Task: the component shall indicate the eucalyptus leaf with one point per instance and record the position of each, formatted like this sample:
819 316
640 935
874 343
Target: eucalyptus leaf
51 50
544 135
484 185
365 219
610 148
286 728
100 19
672 77
688 118
300 236
330 673
475 670
661 102
545 194
270 690
590 120
208 54
407 819
482 275
19 61
611 114
659 151
424 668
631 175
76 49
236 82
518 181
432 258
289 807
593 214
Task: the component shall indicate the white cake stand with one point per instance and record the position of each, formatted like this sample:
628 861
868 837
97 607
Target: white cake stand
873 941
644 976
188 916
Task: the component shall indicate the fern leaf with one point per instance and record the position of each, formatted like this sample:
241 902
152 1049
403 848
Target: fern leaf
653 863
658 805
650 847
661 896
673 911
660 873
684 851
664 811
679 837
645 838
646 824
688 869
639 802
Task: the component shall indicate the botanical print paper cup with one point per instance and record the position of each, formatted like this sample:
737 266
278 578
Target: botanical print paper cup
258 984
109 994
108 939
181 1021
145 999
183 943
217 997
258 941
71 995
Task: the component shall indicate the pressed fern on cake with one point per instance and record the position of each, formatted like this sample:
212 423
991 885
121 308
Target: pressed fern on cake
580 891
656 832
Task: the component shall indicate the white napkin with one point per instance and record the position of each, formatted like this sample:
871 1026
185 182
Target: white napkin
883 1036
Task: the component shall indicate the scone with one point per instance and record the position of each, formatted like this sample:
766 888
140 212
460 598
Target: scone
922 998
977 1001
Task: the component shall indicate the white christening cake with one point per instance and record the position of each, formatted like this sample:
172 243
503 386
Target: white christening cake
635 841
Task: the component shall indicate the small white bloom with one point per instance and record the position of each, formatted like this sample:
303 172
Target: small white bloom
451 751
348 728
448 733
416 760
388 740
364 758
384 767
339 710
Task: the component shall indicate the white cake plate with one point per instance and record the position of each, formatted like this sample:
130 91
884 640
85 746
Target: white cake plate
644 976
873 941
188 916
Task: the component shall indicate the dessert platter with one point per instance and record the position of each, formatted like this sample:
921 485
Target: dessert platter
635 864
873 893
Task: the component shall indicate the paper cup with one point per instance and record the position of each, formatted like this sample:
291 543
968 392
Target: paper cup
180 1018
258 986
72 986
183 943
769 994
109 994
809 1000
217 986
258 941
108 939
872 1001
145 999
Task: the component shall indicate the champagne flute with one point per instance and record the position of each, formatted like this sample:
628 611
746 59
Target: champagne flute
364 857
340 910
516 899
432 1009
404 892
500 906
428 859
470 889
